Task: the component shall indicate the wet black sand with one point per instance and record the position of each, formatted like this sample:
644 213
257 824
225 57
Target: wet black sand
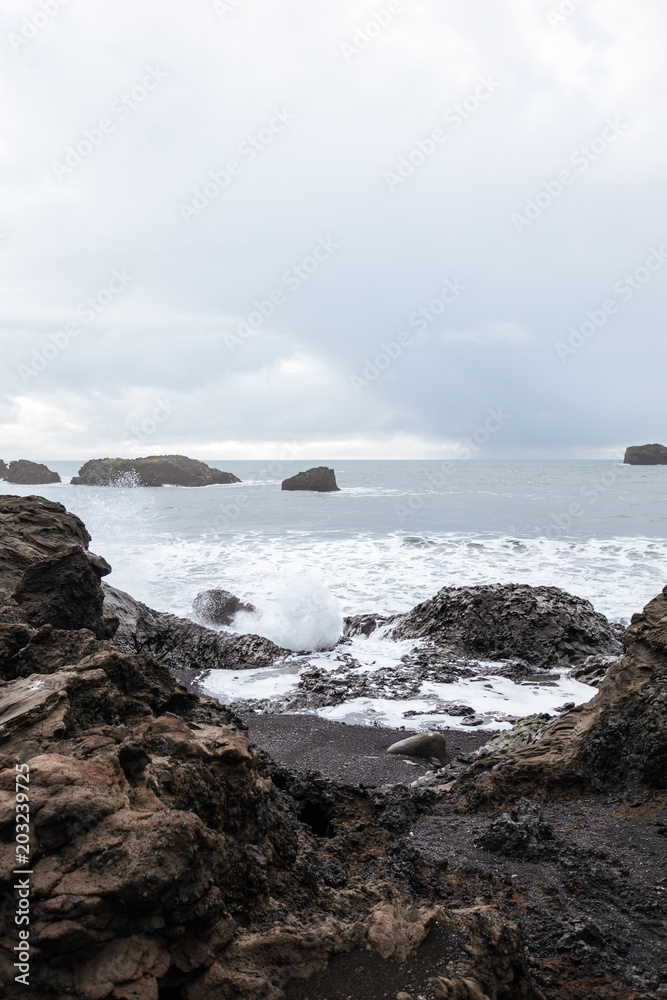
355 754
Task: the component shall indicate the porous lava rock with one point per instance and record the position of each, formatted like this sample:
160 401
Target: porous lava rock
25 473
543 627
618 740
155 470
318 480
218 607
646 454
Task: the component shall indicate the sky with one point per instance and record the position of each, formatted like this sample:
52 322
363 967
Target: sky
331 229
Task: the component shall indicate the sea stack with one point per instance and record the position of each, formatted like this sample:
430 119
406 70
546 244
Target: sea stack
156 470
25 473
319 480
646 454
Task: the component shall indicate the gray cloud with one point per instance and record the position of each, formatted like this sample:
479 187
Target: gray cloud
184 92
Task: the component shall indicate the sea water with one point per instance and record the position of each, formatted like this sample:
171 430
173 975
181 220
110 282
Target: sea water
395 534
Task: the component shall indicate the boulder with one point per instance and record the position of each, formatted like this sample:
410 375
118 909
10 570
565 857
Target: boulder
218 607
646 454
32 529
421 745
543 627
156 470
24 473
319 480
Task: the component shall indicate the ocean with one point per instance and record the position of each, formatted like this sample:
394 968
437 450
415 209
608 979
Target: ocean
395 534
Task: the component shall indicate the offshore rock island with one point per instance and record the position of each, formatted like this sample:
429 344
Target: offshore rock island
156 470
646 454
25 473
170 857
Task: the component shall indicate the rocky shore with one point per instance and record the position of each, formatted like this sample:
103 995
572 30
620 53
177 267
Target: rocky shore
170 856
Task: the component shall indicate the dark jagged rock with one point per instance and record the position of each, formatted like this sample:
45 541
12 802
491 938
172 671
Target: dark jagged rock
646 454
618 740
518 833
156 470
319 480
218 607
32 529
25 473
541 626
183 644
64 591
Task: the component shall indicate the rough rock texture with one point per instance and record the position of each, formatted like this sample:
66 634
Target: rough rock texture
618 740
25 473
65 591
218 607
541 626
156 470
320 480
182 644
32 529
646 454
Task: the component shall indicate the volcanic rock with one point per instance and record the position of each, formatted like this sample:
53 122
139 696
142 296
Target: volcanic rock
218 607
25 473
421 745
543 627
156 470
646 454
617 740
32 529
320 480
64 591
183 644
518 833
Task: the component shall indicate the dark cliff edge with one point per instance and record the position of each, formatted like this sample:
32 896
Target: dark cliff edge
170 858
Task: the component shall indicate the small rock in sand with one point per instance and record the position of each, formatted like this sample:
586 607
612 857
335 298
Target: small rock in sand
422 745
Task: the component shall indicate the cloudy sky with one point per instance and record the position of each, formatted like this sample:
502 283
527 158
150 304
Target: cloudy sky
332 229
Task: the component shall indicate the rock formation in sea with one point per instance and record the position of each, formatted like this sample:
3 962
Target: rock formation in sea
156 470
170 859
218 607
319 480
25 473
646 454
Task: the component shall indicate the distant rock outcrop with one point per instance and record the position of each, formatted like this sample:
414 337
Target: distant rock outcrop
156 470
25 473
218 607
319 480
646 454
